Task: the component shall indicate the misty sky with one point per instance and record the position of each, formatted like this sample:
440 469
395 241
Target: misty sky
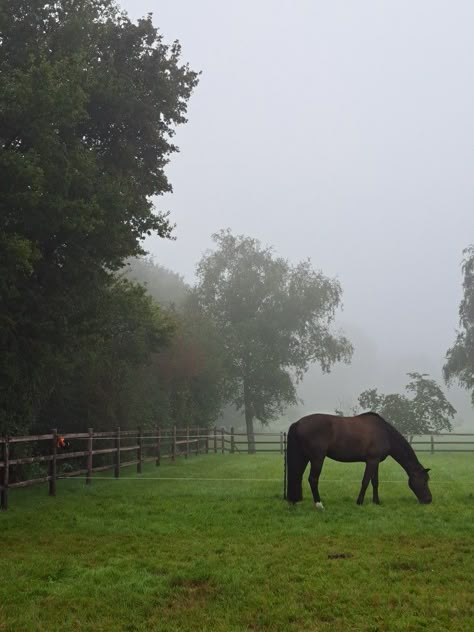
339 131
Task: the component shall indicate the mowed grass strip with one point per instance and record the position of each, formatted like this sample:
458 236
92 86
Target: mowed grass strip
145 554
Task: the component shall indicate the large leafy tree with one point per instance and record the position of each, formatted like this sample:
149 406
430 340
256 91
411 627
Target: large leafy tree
274 319
425 408
88 106
460 357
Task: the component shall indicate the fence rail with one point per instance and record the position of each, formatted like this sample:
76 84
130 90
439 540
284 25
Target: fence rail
147 446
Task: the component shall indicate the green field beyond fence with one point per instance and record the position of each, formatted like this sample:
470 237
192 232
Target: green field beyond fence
207 543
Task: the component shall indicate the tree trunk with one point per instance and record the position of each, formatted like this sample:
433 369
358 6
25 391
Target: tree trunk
250 432
249 421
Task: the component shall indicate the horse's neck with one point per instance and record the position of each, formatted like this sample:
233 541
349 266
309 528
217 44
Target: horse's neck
403 454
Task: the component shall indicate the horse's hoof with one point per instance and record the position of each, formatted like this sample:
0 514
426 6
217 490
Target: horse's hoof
319 505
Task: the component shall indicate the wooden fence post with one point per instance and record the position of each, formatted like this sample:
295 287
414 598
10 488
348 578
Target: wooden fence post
285 465
173 445
222 441
187 442
207 441
198 435
53 464
215 439
281 442
6 474
117 454
90 456
432 444
158 445
232 440
140 451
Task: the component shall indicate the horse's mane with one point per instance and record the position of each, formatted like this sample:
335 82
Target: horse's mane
396 438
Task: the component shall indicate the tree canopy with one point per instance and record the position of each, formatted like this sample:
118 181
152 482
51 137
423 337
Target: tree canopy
274 319
460 357
88 106
424 410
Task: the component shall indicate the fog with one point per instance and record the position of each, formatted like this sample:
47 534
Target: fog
342 132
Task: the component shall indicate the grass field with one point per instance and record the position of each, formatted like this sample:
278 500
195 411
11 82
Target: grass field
143 554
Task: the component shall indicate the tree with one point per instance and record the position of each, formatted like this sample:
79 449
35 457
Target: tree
432 411
188 377
104 384
460 357
88 106
192 373
396 408
425 411
165 286
274 319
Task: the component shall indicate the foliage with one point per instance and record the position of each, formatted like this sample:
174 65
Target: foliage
191 373
166 287
274 319
186 381
88 106
424 411
460 357
104 385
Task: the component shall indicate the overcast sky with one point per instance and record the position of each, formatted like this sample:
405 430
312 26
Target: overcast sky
339 131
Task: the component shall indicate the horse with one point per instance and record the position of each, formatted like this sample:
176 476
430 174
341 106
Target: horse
363 438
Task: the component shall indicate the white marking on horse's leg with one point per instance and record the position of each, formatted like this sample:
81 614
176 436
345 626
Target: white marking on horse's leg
319 505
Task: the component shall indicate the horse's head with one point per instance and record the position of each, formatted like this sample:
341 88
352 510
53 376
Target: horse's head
418 483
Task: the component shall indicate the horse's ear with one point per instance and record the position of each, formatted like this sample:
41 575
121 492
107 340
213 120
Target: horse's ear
427 469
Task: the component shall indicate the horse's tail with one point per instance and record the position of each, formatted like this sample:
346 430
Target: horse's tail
296 463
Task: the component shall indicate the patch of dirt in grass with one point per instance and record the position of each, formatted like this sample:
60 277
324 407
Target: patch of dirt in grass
189 594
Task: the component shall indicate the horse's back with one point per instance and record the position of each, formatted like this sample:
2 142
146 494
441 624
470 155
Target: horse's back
344 438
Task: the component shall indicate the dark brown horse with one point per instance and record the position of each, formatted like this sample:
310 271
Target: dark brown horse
366 437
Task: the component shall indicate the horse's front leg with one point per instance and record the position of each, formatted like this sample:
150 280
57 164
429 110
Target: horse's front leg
370 468
375 486
316 467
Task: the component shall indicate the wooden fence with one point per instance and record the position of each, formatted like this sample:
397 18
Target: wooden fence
17 453
104 450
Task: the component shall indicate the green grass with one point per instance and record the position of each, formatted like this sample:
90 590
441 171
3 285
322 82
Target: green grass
143 554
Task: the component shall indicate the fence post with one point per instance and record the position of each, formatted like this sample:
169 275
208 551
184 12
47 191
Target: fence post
140 451
222 441
215 439
158 445
198 434
117 454
187 442
232 440
53 464
173 445
285 465
90 454
432 444
6 474
207 440
281 442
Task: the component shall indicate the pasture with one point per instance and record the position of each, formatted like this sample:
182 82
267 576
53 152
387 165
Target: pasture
138 554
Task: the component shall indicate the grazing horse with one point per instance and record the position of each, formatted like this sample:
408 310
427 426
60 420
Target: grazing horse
366 437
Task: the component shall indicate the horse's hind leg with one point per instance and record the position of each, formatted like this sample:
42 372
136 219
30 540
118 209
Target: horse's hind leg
375 486
316 467
370 469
